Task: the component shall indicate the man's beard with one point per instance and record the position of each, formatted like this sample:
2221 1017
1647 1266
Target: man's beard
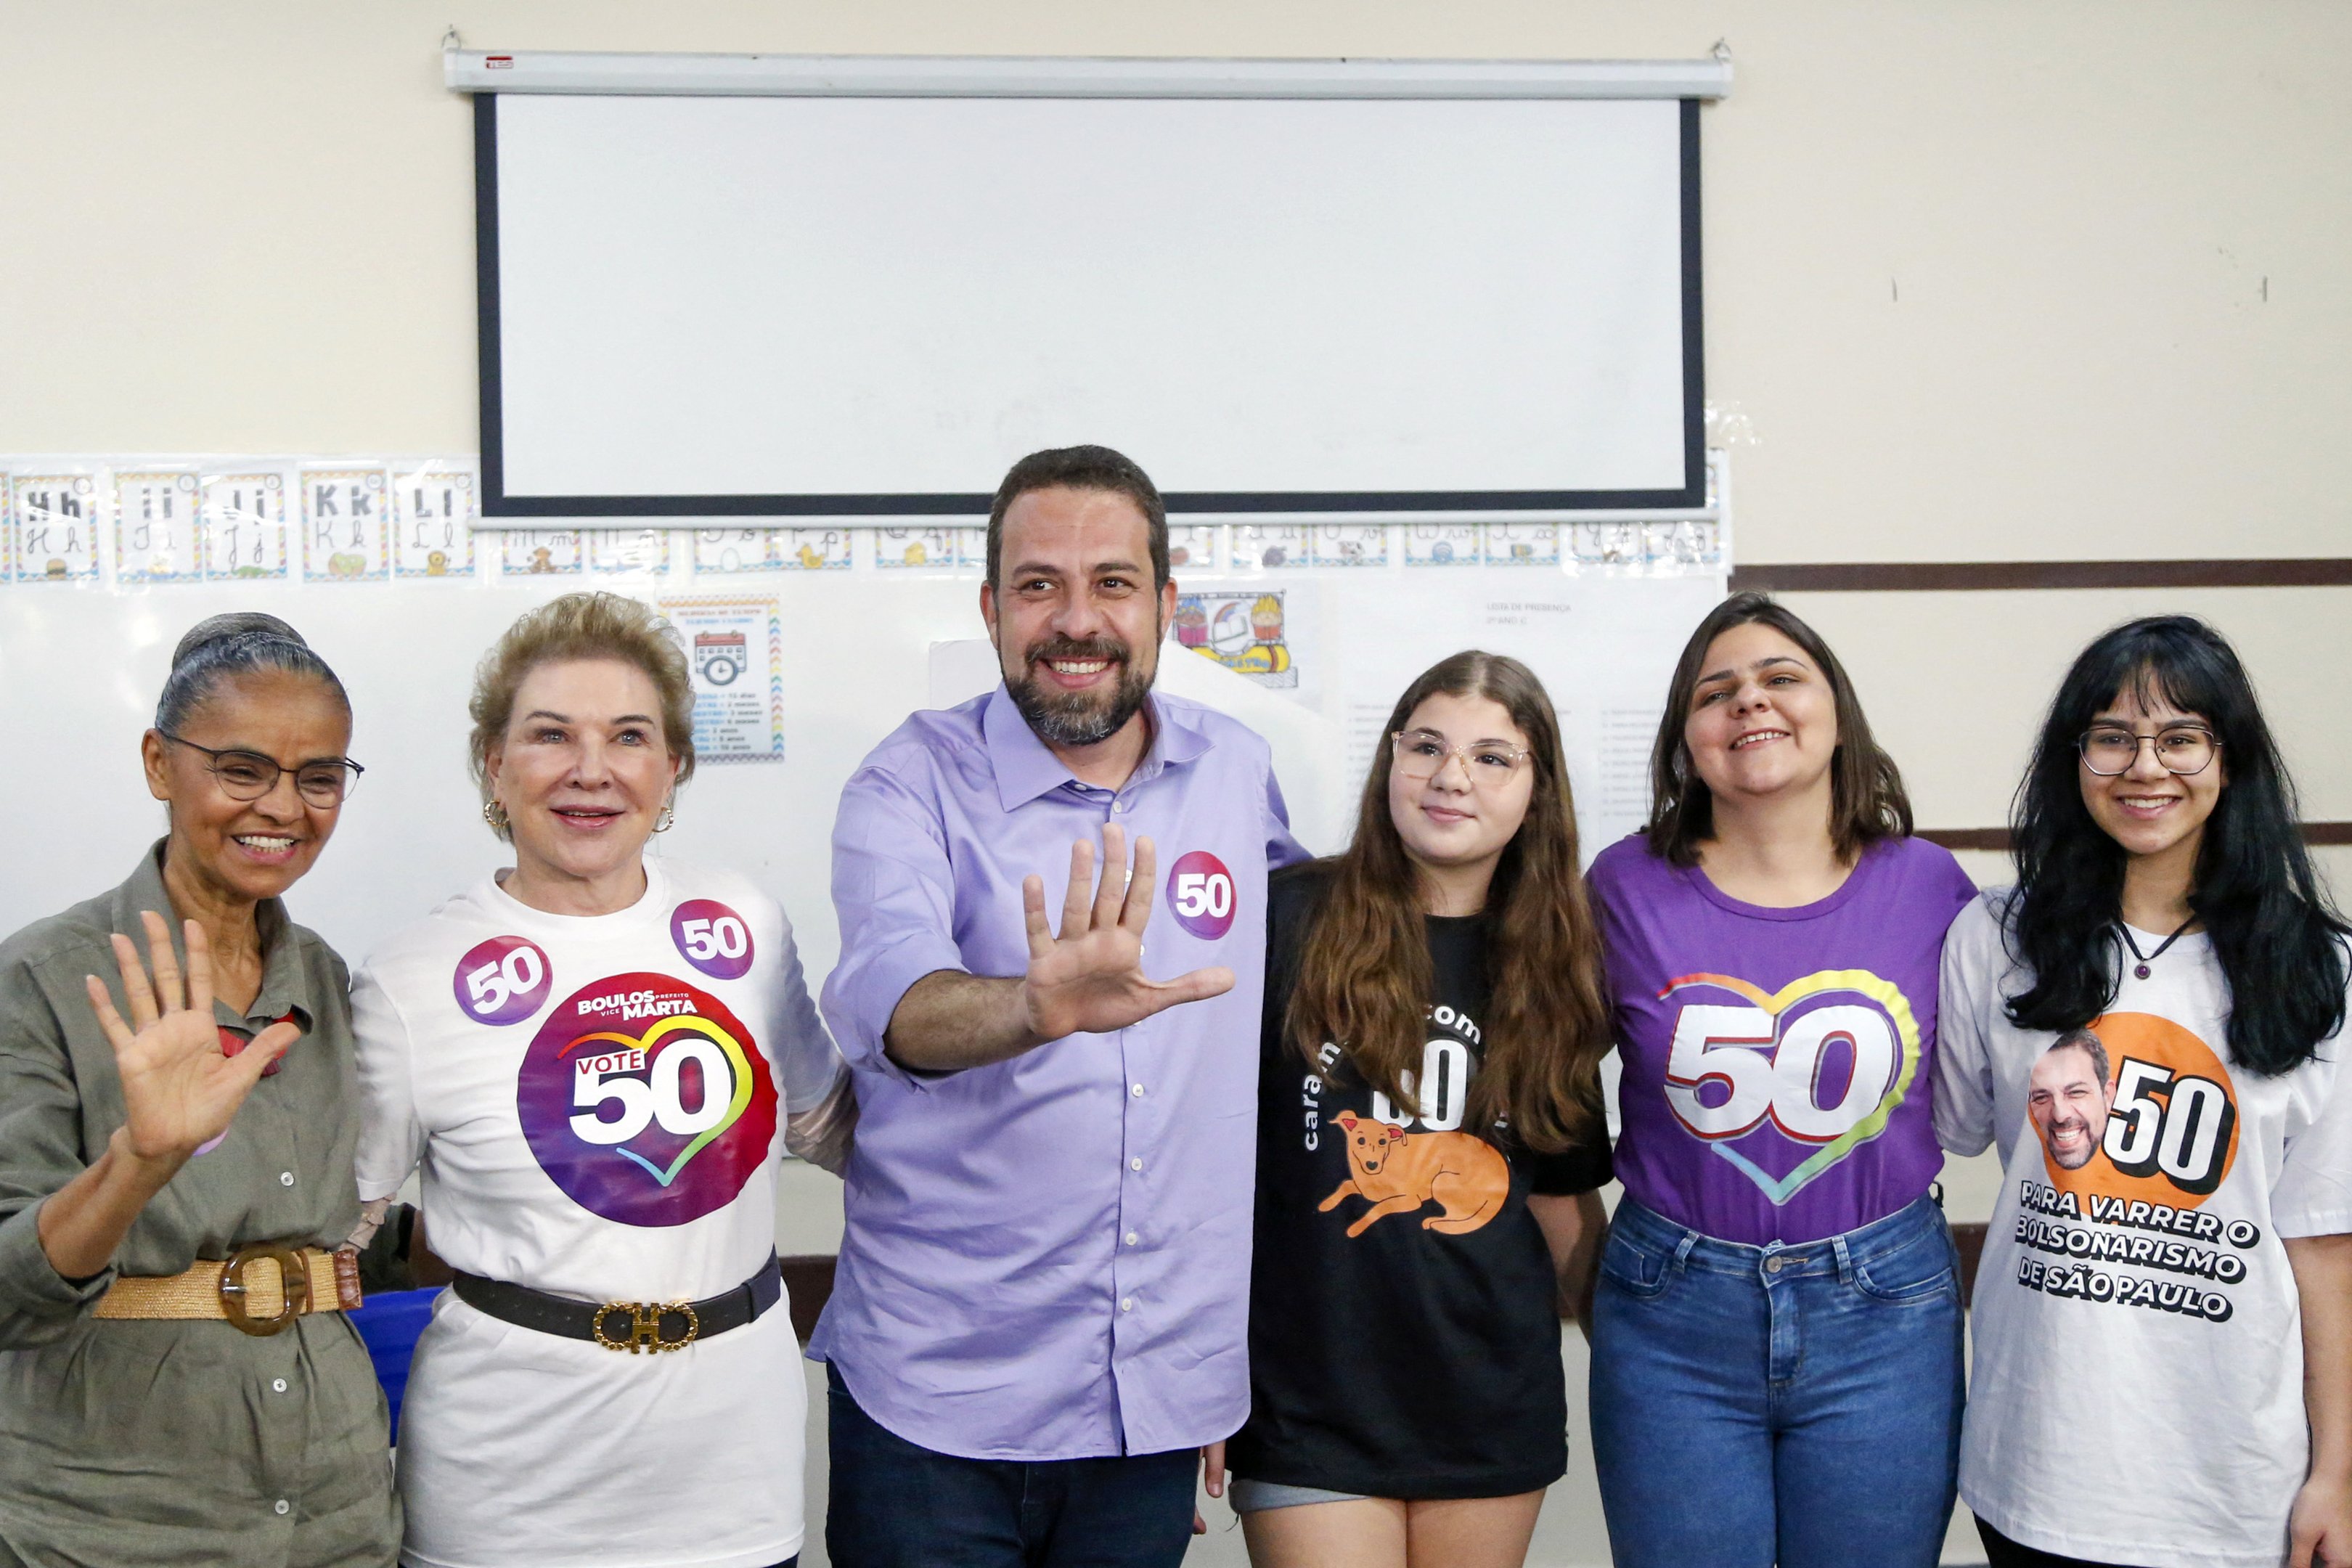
2076 1158
1079 718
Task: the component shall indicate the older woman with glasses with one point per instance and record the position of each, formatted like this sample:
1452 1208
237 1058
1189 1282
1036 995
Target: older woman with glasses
177 1385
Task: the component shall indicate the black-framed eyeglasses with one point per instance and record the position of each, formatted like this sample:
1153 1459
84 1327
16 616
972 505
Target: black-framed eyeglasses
327 782
2110 749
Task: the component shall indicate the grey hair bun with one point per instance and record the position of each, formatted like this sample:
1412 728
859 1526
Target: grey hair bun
222 647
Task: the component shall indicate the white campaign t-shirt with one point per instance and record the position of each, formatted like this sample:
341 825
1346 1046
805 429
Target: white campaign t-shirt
2138 1388
597 1104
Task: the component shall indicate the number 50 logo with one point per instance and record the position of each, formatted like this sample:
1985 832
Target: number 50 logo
501 980
712 937
1727 1047
1201 895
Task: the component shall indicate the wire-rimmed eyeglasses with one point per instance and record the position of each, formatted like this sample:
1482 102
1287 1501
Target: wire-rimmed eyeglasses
324 782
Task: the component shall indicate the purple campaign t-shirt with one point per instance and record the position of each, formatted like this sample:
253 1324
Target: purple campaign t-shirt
1778 1062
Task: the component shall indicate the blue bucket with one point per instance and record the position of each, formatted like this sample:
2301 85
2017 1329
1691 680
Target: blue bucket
389 1324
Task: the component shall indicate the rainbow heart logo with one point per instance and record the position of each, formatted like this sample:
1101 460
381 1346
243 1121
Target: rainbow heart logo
1879 1030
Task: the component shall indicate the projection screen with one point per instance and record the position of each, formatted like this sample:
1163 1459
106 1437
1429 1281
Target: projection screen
861 307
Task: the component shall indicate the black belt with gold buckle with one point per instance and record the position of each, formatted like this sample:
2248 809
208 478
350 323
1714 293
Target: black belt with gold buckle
636 1327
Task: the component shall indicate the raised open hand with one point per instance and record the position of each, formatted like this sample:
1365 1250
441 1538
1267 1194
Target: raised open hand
1090 979
180 1089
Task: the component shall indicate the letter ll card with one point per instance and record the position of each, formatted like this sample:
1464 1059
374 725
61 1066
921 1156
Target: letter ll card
433 517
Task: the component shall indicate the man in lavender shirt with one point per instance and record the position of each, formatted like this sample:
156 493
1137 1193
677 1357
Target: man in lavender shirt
1040 1318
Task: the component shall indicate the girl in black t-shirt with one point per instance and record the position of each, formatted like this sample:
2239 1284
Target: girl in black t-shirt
1429 1141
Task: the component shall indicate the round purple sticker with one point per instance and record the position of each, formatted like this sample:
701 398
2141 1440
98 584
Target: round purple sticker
502 981
711 937
1201 895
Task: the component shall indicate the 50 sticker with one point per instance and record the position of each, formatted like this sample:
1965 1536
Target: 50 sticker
502 981
1201 895
712 937
645 1100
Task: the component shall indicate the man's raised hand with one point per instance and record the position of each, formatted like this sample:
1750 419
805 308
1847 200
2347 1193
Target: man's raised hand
1089 979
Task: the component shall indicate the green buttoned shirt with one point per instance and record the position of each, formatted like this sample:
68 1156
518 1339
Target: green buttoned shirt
134 1443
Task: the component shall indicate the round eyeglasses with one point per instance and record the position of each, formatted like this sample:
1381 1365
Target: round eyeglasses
325 782
1423 753
2110 749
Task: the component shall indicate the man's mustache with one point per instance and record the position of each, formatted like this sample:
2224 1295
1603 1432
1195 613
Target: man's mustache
1106 648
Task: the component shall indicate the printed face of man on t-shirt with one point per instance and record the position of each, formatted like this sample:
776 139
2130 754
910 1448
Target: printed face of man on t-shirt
2067 1098
1077 619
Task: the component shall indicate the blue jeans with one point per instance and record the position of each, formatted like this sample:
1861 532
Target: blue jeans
896 1504
1798 1405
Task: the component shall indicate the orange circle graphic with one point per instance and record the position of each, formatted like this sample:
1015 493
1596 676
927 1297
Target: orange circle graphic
2171 1131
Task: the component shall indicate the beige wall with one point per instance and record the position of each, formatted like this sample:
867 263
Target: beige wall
1986 280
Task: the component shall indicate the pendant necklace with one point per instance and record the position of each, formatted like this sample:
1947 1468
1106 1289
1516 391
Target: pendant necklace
2140 969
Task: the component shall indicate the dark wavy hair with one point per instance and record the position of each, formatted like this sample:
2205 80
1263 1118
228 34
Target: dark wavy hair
1867 802
2279 942
1365 975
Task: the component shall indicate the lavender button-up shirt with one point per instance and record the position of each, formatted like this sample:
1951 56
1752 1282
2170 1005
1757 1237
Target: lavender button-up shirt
1049 1257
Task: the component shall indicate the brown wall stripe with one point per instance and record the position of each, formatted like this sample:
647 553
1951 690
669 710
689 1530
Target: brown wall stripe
1928 576
1996 838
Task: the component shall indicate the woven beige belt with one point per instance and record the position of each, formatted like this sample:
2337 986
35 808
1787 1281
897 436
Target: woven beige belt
259 1288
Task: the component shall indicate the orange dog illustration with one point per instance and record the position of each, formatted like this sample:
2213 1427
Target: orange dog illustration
1400 1172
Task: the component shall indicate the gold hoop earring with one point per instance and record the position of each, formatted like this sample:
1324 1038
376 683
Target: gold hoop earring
496 815
668 818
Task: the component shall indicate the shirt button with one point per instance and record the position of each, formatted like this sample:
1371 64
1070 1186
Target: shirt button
277 1386
1130 1238
1126 1304
1135 1164
1135 1089
285 1178
282 1506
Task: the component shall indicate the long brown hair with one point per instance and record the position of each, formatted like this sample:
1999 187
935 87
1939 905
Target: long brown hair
1867 802
1365 976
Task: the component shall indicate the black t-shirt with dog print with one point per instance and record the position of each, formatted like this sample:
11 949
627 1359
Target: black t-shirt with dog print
1404 1339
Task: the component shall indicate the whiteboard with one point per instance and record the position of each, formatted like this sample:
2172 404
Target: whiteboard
844 306
80 667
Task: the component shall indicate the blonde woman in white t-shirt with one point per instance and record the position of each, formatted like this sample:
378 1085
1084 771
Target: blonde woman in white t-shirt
595 1057
2151 1024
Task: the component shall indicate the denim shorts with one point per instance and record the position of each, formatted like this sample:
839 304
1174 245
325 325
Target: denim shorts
1257 1496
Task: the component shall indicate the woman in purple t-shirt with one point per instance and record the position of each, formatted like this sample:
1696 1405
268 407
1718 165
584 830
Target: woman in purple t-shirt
1776 1343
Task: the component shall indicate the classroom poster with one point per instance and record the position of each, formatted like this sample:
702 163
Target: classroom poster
1271 545
1195 545
1242 630
346 531
614 552
1523 544
433 522
726 550
817 549
57 520
1348 544
1442 543
540 552
158 536
241 519
900 548
735 651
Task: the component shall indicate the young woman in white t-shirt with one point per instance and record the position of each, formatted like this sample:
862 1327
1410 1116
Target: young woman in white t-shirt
592 1056
2151 1024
